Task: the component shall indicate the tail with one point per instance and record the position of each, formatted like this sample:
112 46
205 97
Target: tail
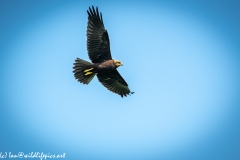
82 71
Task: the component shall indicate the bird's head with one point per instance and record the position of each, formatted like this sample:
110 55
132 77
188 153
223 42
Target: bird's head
117 63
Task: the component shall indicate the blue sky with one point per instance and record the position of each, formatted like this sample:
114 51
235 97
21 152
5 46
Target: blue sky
180 58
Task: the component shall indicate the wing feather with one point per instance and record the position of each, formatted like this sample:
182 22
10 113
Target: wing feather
114 82
98 44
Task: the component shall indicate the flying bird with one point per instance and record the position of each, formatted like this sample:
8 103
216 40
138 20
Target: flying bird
102 65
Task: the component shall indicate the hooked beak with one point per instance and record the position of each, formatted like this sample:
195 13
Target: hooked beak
121 64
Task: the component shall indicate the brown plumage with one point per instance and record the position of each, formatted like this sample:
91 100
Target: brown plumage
102 65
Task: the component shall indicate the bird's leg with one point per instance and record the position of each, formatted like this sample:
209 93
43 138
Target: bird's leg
88 73
86 70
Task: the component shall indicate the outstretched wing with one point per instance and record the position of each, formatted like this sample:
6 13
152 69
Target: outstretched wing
98 45
114 82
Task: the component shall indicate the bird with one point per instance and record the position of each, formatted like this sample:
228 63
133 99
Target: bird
102 65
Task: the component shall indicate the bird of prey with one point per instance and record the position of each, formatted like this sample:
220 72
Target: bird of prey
103 66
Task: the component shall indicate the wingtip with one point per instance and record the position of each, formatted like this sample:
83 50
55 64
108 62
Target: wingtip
88 13
97 11
93 10
127 94
92 7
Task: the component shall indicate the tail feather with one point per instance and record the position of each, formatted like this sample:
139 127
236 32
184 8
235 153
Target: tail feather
78 70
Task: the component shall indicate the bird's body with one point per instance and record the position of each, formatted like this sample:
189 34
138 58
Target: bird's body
105 66
102 65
